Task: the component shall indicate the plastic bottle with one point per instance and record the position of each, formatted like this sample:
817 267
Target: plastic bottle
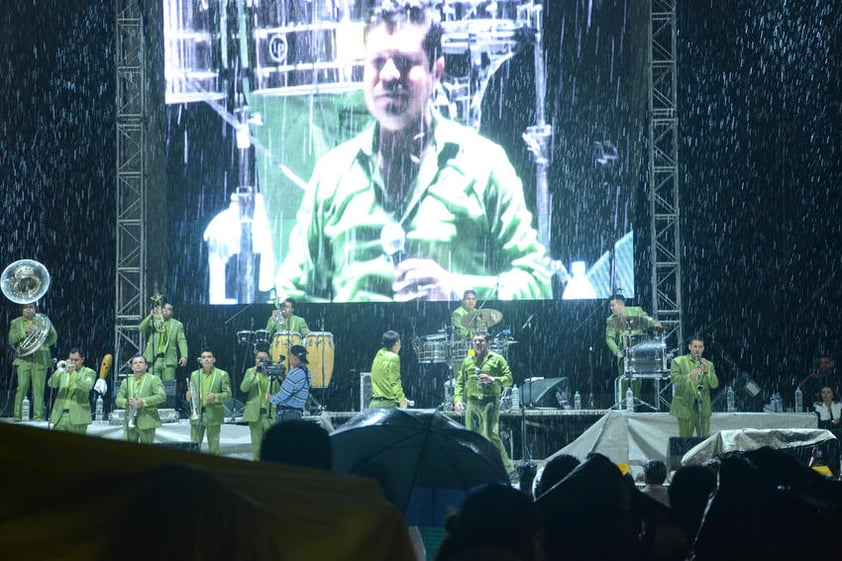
515 397
777 405
99 407
730 399
577 401
629 399
799 400
24 409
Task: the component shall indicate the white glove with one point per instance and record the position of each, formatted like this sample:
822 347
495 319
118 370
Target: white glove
101 386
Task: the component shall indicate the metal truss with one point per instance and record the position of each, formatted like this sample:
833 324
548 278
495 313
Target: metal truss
131 180
665 236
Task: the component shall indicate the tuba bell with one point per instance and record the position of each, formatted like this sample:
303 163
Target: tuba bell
24 282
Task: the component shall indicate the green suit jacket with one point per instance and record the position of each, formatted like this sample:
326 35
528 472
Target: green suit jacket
467 384
172 338
153 394
614 336
295 324
73 390
216 382
41 357
685 389
460 332
386 376
258 387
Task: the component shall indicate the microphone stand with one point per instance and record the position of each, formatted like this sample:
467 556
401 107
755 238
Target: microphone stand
699 389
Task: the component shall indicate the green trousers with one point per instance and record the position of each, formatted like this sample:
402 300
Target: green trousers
483 417
36 375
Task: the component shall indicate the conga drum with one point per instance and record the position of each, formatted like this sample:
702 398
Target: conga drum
320 355
281 343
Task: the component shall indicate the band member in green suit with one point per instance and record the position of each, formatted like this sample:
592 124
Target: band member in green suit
625 320
141 394
468 306
386 386
166 345
213 389
690 375
72 407
284 319
31 369
479 383
259 386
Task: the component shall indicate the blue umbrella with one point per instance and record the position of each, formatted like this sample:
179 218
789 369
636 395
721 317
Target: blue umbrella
424 461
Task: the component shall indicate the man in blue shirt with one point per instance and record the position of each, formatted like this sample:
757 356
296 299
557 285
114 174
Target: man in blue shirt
295 389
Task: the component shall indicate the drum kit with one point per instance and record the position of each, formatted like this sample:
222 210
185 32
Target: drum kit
320 351
644 357
443 348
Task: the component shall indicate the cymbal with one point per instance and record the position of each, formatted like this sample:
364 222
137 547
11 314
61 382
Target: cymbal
484 318
629 323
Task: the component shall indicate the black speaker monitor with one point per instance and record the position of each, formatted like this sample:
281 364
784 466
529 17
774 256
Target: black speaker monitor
553 393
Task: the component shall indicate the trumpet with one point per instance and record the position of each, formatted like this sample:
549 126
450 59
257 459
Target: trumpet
194 403
157 314
64 366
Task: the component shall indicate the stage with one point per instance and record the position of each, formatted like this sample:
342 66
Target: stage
633 439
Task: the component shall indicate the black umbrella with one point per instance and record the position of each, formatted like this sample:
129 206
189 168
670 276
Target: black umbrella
424 461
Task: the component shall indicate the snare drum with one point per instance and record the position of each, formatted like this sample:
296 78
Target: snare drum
433 349
192 51
647 357
281 343
320 356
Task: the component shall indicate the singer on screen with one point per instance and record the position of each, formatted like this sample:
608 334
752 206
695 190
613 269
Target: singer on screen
692 378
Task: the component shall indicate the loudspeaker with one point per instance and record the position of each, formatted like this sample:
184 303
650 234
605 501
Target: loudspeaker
365 390
553 393
678 446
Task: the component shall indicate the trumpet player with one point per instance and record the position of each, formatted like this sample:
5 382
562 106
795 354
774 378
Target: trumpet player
140 396
214 389
72 407
166 345
259 386
283 318
32 366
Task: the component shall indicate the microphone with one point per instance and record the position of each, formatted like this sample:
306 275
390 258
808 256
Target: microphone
528 322
393 241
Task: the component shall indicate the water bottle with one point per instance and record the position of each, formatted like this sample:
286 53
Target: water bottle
799 400
515 397
99 408
24 409
730 401
629 399
577 401
777 402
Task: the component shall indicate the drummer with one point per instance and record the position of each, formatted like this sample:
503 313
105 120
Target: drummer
468 306
283 319
626 322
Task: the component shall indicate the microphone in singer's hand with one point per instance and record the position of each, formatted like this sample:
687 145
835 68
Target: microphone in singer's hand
393 241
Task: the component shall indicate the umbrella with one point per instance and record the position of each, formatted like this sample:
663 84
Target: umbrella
424 461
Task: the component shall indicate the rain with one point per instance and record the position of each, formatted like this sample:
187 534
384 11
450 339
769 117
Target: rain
759 112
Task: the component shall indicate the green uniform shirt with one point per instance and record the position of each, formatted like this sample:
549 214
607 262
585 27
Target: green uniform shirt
467 384
685 390
460 332
386 377
466 211
295 324
614 336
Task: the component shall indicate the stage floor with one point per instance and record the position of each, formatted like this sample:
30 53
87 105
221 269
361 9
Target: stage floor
529 433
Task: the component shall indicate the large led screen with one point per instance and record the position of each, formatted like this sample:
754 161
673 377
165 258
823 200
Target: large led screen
524 187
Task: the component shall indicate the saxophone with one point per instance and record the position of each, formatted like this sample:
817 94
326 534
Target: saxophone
194 403
131 414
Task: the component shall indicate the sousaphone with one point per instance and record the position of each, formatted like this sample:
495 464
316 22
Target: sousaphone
23 282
